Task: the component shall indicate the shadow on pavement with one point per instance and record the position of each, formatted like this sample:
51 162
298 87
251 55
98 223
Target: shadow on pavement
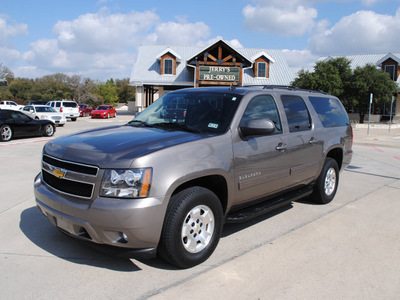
37 229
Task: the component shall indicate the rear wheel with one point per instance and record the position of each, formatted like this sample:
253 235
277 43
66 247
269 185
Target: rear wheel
5 133
192 227
73 119
327 183
48 130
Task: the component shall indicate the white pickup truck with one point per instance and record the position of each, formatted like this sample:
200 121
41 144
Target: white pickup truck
10 105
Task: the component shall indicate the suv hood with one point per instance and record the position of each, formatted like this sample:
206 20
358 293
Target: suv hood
117 146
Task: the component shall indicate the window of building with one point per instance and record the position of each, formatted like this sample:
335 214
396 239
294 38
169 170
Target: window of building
168 66
261 69
390 69
297 113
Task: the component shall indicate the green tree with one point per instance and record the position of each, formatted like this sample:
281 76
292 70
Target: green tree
369 80
21 88
108 91
332 76
126 92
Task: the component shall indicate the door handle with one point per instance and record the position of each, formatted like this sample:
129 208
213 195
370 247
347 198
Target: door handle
313 141
281 147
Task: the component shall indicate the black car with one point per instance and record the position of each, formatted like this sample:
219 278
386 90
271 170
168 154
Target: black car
38 102
17 124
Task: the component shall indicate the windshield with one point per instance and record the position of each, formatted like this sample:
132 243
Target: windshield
44 109
102 108
204 112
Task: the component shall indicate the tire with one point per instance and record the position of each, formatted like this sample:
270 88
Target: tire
327 183
192 227
49 130
73 119
5 133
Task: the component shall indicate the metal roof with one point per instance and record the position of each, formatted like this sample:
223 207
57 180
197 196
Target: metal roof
147 71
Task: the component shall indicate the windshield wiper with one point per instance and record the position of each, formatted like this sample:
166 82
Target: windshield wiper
140 123
176 126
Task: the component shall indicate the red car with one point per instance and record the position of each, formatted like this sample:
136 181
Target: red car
85 110
104 111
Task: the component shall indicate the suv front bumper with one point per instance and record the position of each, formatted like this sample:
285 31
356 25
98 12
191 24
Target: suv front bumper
127 223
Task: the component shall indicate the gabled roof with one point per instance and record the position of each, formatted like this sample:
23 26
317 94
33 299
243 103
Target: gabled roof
169 50
249 61
260 54
388 56
360 60
146 69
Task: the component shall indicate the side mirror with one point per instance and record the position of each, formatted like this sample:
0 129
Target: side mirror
257 127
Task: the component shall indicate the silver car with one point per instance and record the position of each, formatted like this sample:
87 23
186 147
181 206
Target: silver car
44 112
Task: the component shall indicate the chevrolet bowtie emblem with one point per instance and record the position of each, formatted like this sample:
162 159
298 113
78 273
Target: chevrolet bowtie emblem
58 173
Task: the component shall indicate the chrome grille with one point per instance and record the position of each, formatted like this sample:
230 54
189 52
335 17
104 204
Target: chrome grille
68 177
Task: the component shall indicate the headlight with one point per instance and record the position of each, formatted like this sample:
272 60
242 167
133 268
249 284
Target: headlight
131 183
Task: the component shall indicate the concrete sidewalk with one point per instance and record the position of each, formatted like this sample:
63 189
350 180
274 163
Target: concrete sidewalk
379 135
348 254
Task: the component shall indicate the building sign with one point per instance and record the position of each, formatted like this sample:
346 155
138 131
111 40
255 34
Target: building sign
219 73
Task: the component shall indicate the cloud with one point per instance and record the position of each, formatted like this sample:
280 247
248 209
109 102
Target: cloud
8 31
180 33
103 45
286 18
361 32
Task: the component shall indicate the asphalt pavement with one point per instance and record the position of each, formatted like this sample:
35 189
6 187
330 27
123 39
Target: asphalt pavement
348 249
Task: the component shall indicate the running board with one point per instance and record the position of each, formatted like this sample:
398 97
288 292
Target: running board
251 212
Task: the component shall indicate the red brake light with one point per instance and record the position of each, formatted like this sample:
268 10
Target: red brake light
61 109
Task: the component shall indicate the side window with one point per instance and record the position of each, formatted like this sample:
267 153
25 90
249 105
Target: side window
330 111
262 107
58 104
296 113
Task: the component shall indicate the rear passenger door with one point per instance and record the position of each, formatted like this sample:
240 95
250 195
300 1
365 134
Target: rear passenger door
306 149
262 163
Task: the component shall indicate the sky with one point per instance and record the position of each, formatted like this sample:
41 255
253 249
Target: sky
99 39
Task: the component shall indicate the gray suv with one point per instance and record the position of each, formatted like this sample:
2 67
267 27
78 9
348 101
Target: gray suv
166 182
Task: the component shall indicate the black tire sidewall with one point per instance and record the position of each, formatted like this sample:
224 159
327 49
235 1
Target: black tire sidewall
319 194
171 247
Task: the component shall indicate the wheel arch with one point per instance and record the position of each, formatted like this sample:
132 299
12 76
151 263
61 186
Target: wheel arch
336 154
215 183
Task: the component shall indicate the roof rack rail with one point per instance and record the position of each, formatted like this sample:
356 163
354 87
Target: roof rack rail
287 87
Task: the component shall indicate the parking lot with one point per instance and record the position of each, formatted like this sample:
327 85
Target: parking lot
348 249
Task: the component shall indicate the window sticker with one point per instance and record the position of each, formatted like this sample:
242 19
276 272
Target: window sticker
234 98
212 125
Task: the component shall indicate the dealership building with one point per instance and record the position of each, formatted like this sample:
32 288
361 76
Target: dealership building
161 69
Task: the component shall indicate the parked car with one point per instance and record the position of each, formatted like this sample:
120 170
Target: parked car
4 104
85 109
166 182
104 111
37 102
70 109
45 112
17 124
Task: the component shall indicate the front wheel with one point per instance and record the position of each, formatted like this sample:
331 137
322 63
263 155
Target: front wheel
192 227
327 183
5 133
49 130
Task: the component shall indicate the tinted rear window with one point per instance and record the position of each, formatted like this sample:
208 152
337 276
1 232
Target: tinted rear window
330 111
70 104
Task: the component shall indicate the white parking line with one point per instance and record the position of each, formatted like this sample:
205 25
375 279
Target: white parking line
25 142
